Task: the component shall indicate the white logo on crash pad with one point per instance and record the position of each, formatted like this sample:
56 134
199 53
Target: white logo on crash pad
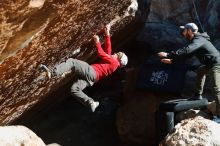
159 77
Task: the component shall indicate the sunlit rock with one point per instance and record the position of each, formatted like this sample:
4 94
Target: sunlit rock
36 3
194 131
19 135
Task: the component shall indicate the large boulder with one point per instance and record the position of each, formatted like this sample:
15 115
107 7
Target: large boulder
20 135
194 131
48 32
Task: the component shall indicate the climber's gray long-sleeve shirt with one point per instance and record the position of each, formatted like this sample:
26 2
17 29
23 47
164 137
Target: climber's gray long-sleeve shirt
202 48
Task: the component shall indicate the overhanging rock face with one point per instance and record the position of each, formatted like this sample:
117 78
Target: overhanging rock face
48 32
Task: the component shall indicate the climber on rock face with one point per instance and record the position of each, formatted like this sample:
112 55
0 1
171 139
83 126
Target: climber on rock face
201 47
87 74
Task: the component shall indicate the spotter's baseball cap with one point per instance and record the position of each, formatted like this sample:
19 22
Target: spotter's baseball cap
191 26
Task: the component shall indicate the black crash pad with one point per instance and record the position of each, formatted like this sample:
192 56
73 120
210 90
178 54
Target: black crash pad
182 104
